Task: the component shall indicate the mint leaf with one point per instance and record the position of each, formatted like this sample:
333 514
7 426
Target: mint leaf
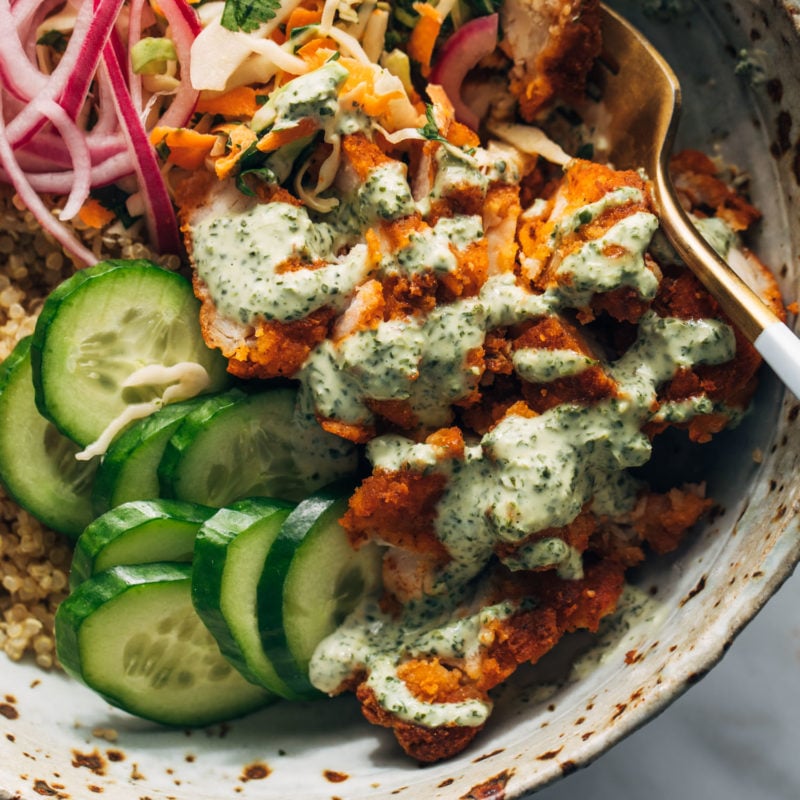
247 15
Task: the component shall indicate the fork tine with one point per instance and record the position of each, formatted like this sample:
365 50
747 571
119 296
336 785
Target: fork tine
645 111
642 96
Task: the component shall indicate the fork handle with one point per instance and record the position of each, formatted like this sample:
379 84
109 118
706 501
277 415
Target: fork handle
781 350
779 347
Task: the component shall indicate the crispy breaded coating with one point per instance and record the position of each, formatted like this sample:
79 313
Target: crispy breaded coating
557 607
662 520
696 178
553 45
397 508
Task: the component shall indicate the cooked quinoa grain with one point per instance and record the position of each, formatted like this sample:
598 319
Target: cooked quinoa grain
34 561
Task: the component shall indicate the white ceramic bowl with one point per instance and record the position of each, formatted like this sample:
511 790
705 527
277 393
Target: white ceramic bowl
546 723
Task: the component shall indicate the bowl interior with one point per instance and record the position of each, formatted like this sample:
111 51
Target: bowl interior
741 78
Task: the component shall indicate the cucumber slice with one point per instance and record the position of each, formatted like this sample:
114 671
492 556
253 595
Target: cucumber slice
312 580
129 470
139 532
37 464
228 560
132 635
99 328
238 445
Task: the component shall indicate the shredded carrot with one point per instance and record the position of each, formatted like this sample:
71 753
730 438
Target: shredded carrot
462 135
238 102
94 214
275 139
359 88
240 137
316 52
423 37
301 17
187 148
445 116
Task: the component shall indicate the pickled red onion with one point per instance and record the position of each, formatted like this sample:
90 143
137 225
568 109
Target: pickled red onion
461 52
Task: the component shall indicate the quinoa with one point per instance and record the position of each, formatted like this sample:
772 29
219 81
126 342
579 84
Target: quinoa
34 561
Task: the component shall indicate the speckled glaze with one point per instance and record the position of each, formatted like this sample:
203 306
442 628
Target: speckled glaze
56 737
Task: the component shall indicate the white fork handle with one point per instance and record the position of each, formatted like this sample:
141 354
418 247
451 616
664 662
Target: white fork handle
781 350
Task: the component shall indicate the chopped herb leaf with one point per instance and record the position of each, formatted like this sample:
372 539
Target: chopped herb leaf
247 15
54 39
264 174
115 200
431 129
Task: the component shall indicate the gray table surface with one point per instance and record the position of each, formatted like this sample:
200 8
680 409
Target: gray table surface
735 735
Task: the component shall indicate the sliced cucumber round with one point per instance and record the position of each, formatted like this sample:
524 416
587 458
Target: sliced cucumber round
312 580
97 333
228 560
132 634
37 463
238 445
139 532
129 470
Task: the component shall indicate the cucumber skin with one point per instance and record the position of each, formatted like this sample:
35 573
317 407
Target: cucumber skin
184 436
329 501
50 311
105 493
59 294
80 604
73 526
211 550
109 526
105 587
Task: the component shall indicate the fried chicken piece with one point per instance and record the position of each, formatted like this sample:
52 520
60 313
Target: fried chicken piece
696 178
397 508
587 387
577 535
732 383
553 44
264 348
558 607
662 520
567 226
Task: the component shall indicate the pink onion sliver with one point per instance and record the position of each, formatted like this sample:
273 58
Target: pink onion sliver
183 34
134 35
189 15
79 80
20 76
32 200
49 147
120 166
56 176
107 122
30 120
461 52
69 83
79 153
159 212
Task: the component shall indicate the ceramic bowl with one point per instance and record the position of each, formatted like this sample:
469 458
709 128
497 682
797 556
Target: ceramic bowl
739 66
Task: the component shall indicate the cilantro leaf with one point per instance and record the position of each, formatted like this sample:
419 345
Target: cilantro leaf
247 15
431 129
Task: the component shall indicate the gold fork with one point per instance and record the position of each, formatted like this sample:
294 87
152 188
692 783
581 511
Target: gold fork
643 97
